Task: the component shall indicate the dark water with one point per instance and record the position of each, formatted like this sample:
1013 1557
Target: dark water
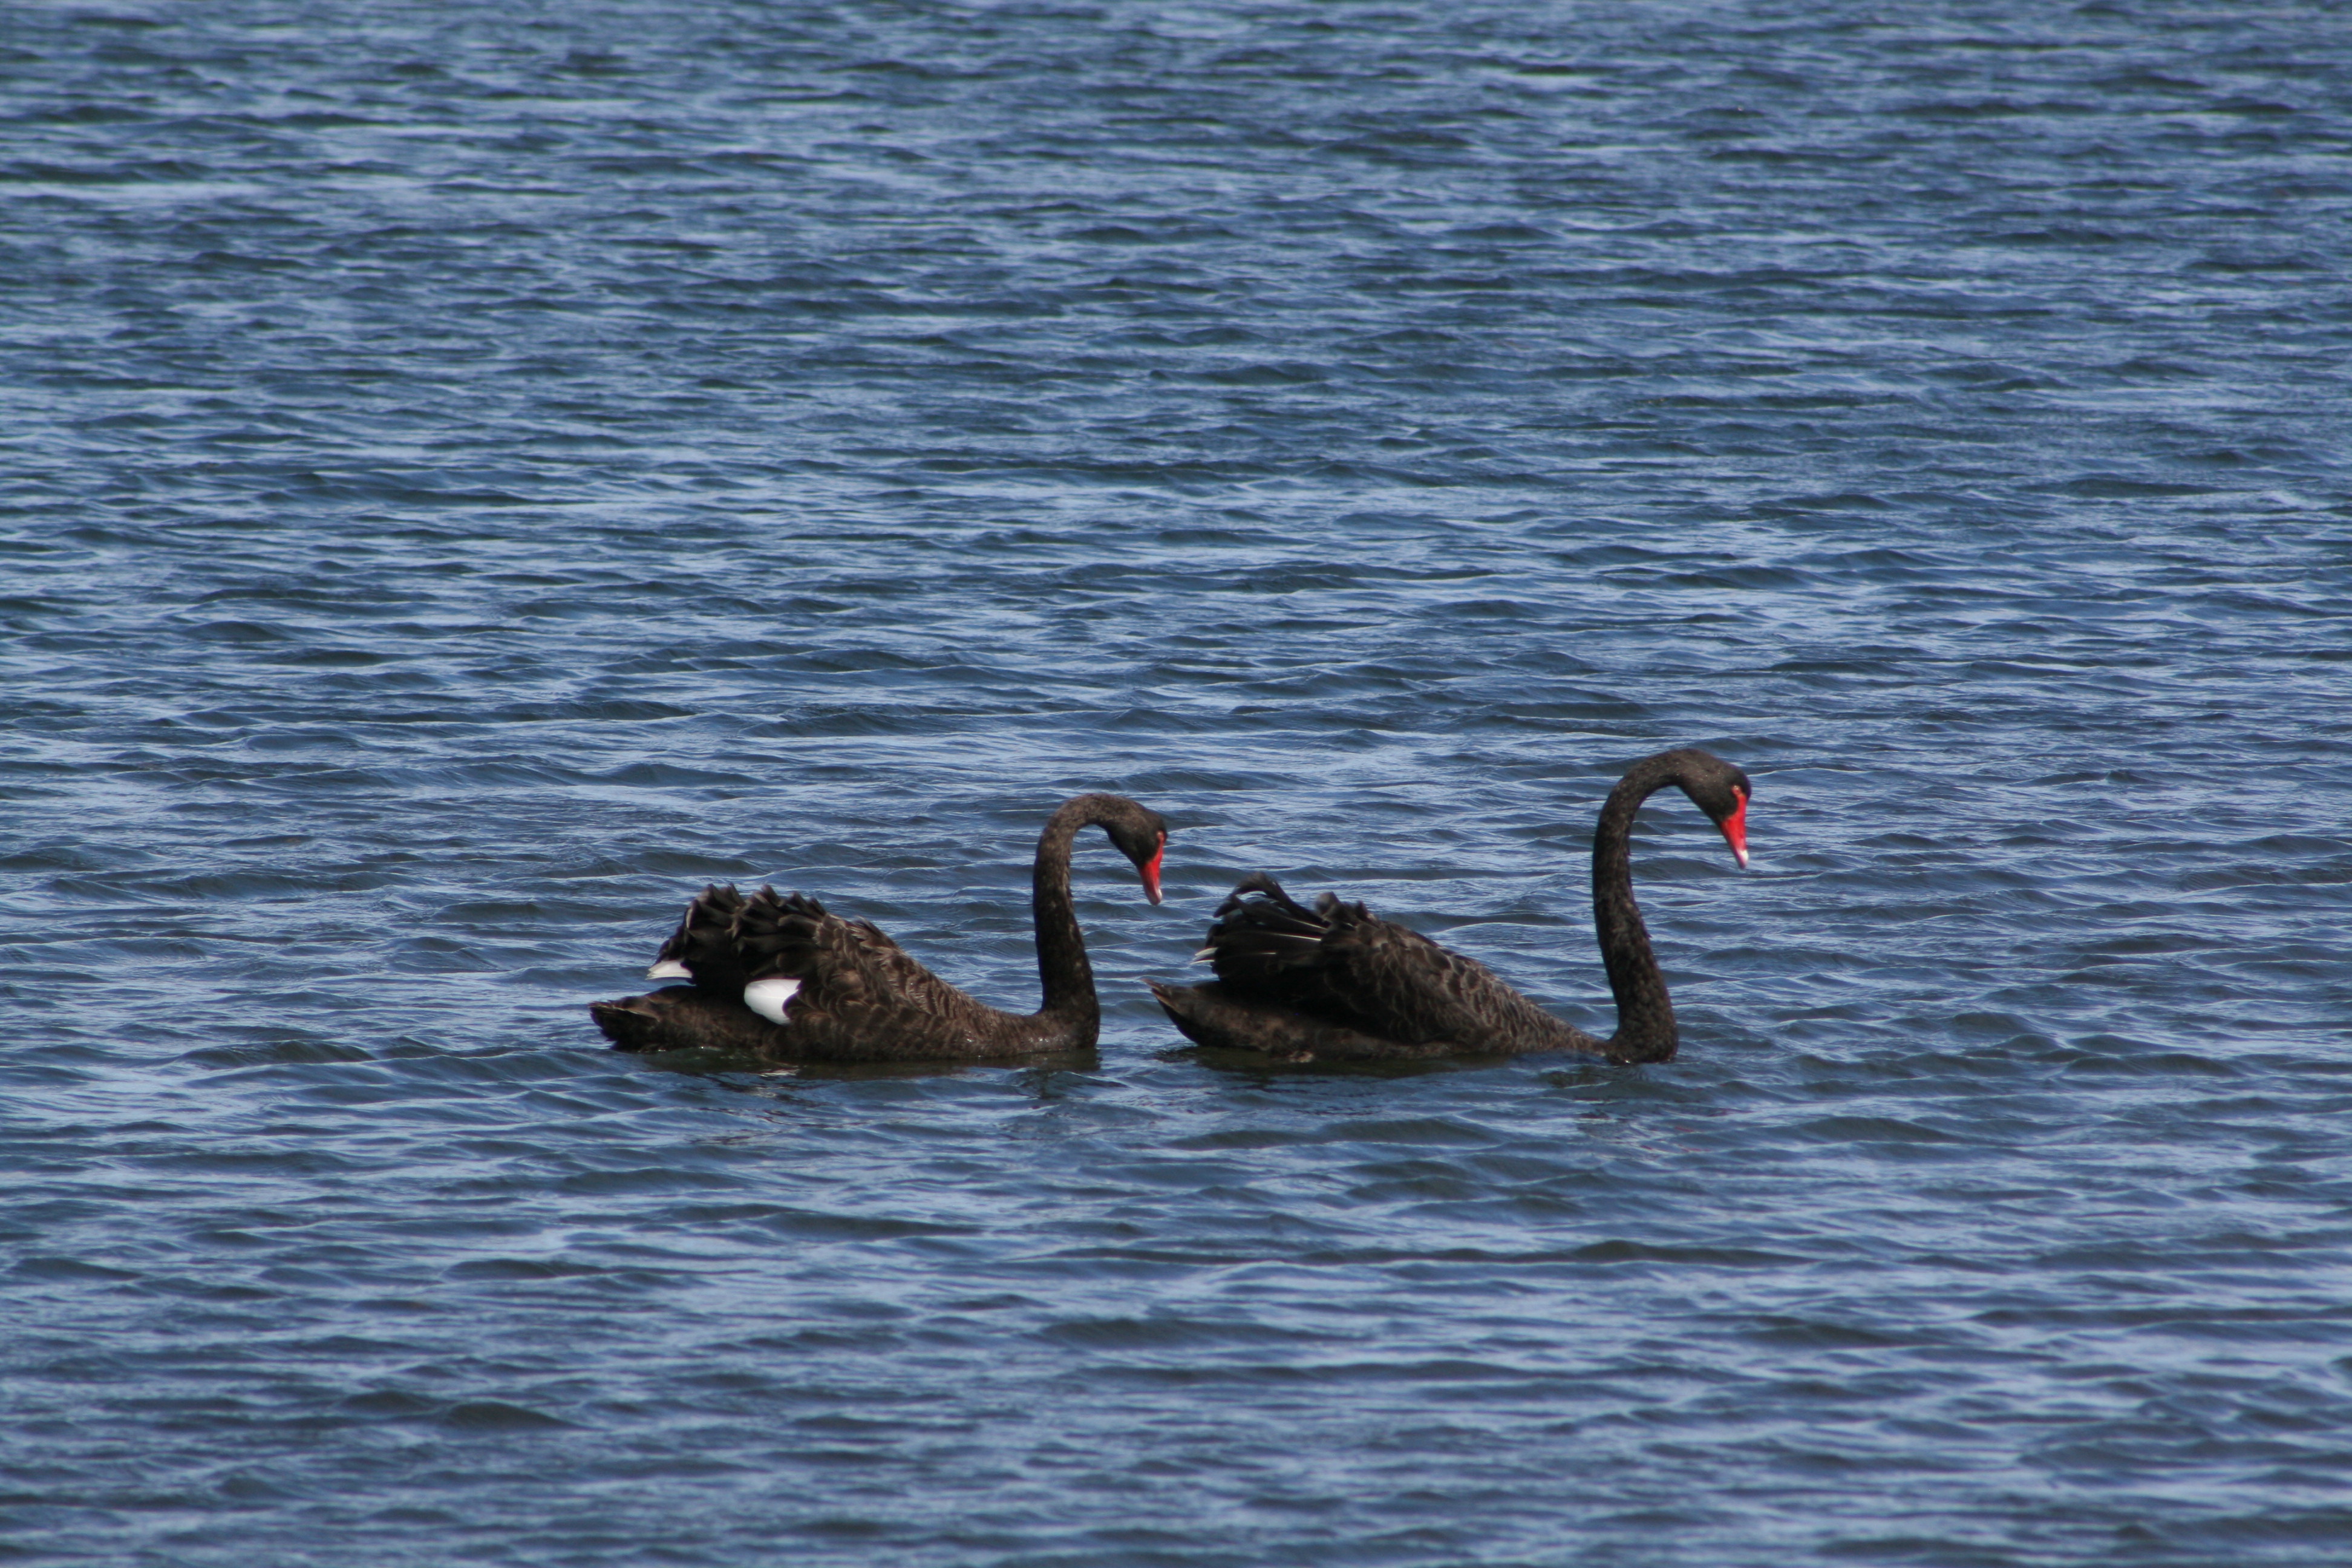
473 474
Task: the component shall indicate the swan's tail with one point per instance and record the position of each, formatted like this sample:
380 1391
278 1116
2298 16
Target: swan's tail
681 1018
1207 1017
1214 1016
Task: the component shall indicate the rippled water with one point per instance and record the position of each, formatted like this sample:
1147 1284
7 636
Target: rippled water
475 474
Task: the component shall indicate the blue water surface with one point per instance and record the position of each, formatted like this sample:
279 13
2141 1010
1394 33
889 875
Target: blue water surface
474 474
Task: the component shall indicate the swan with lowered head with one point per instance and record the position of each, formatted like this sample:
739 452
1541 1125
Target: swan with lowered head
781 977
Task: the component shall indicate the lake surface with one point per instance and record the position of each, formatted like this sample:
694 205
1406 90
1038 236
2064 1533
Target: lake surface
474 475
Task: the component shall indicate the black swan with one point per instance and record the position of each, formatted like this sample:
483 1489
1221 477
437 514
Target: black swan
782 978
1339 984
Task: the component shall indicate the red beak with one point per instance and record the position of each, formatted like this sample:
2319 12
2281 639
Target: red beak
1152 871
1735 830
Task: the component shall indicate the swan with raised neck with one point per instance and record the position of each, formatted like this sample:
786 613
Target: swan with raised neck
1339 984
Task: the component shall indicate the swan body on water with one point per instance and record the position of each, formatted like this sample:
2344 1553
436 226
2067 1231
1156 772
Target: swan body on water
780 977
1337 983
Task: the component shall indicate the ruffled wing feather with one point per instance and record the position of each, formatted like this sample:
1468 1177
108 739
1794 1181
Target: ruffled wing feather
1343 964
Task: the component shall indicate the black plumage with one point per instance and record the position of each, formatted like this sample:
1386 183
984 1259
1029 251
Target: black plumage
847 993
1339 984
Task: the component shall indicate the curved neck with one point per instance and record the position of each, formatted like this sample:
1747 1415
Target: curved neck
1067 979
1645 1017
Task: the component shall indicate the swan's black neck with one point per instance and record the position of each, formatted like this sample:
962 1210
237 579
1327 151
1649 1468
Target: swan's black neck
1645 1017
1063 972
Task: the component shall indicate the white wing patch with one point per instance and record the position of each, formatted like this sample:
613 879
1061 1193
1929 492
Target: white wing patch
669 969
770 998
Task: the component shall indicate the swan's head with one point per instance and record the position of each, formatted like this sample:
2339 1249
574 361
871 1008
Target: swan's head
1142 836
1721 791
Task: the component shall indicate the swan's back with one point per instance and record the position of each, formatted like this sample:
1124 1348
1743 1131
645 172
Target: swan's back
855 984
1341 965
781 975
